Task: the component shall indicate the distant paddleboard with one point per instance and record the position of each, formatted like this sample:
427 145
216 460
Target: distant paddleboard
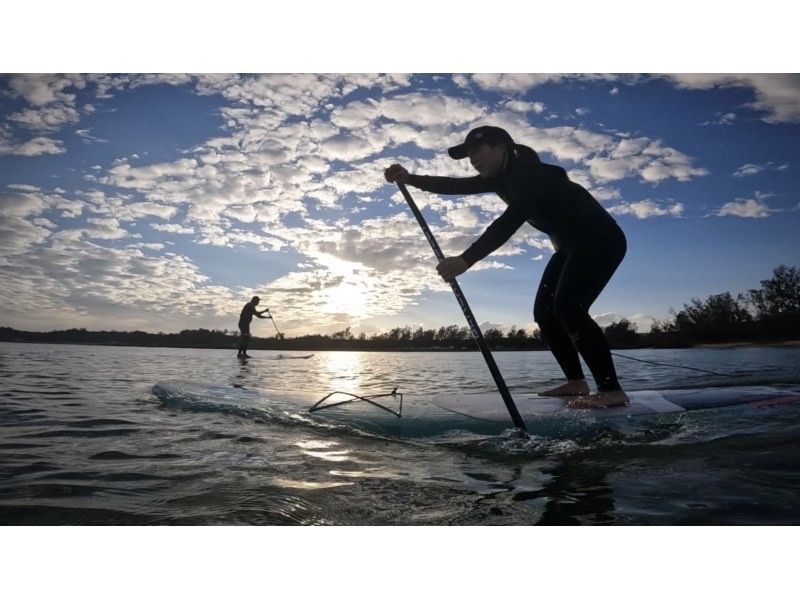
279 356
478 413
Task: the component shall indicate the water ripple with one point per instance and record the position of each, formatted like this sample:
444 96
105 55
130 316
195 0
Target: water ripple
83 441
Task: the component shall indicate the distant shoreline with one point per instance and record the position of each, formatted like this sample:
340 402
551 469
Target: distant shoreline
725 345
745 344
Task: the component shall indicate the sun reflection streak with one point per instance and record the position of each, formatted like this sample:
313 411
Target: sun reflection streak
334 456
308 485
366 474
342 371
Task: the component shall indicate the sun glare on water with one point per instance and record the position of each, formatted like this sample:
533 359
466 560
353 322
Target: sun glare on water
342 371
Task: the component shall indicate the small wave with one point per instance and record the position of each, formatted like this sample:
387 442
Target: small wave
80 433
120 456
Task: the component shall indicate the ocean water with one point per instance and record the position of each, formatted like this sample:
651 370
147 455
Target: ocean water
84 441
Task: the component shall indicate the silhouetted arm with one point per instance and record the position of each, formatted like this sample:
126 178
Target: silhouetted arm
452 186
496 234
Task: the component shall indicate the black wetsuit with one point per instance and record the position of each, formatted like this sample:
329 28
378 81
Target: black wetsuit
589 246
248 311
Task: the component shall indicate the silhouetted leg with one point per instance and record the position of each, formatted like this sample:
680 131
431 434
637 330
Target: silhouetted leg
553 331
244 338
586 272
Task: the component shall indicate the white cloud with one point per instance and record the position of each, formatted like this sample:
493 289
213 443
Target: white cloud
385 82
748 169
647 208
17 232
290 94
175 229
745 208
513 83
18 235
47 118
356 114
642 322
521 83
243 213
151 246
105 84
776 94
105 228
85 135
346 147
614 169
751 169
72 282
140 209
605 193
281 168
649 159
720 118
143 208
34 147
45 223
667 163
70 208
22 205
331 294
430 110
40 89
462 217
50 108
520 106
274 164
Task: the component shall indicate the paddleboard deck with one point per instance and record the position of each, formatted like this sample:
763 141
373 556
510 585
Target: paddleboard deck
279 356
489 406
482 413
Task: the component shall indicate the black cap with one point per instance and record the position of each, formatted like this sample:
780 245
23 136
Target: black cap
479 136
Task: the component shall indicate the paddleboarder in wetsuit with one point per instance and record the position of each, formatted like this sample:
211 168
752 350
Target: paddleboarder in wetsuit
248 311
588 243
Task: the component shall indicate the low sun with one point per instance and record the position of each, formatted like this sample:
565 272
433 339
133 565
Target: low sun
347 297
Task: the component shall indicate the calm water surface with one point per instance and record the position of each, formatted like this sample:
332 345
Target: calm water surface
83 441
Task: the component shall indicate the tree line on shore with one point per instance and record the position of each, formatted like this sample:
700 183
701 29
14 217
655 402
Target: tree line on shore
768 314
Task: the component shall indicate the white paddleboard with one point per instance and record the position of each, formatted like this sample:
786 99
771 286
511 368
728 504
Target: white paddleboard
533 408
482 413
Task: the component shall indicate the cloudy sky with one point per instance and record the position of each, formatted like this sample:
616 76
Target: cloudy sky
164 202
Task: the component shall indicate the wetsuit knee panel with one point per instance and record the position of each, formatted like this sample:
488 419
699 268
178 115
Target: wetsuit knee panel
569 312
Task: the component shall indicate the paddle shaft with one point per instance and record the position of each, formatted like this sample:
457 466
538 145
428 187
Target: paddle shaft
273 323
473 325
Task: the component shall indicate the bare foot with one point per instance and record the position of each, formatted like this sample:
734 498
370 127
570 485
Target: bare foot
601 400
572 388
